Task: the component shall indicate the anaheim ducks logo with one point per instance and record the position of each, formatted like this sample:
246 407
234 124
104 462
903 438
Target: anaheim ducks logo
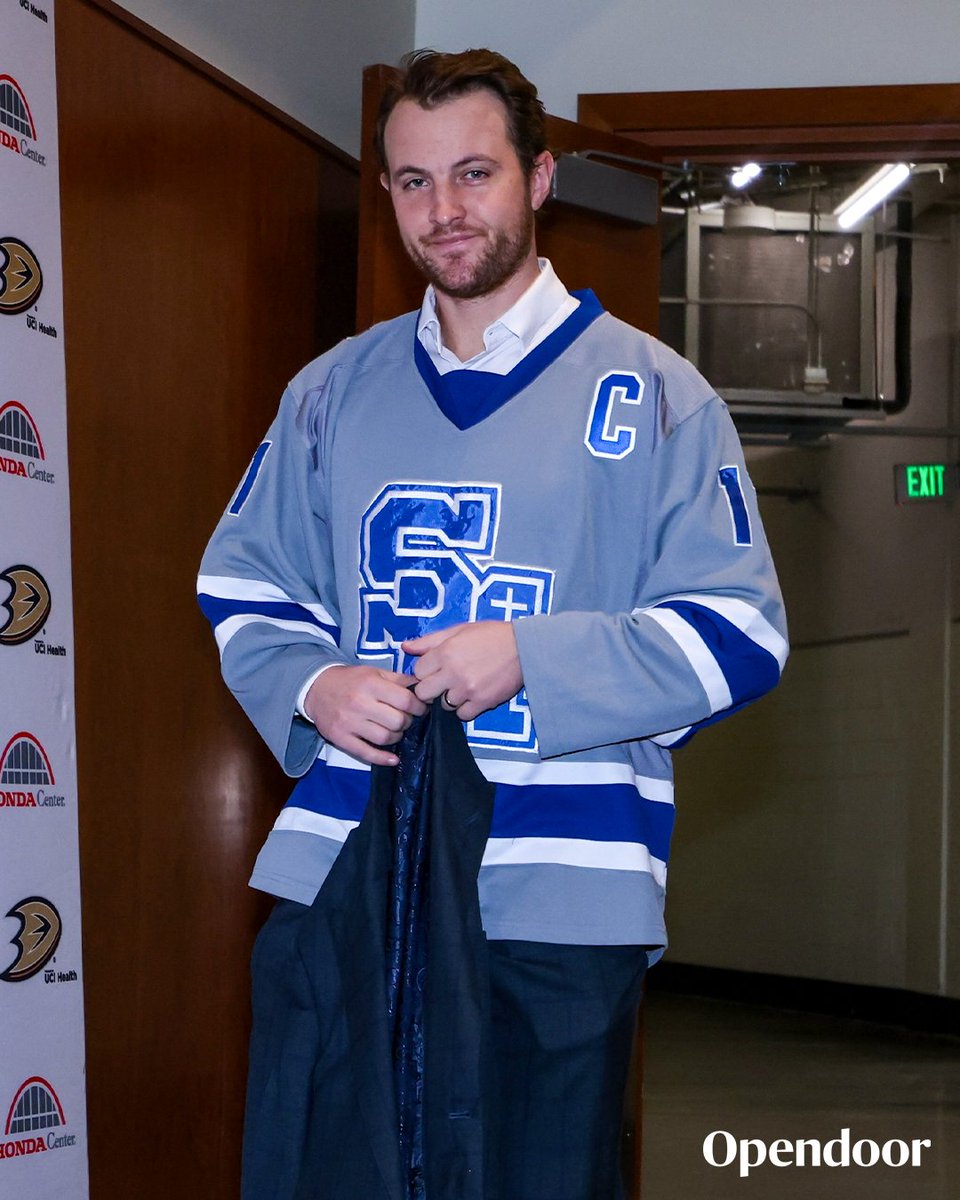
21 279
37 941
27 606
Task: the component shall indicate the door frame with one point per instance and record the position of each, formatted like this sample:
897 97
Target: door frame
918 122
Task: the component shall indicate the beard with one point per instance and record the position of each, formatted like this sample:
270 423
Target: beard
464 279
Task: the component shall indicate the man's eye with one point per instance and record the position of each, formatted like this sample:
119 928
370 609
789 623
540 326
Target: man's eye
477 173
410 185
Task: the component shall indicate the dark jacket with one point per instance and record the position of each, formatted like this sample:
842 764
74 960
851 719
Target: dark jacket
348 951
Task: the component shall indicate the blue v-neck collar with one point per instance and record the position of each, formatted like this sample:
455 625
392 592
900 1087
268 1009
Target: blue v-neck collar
467 397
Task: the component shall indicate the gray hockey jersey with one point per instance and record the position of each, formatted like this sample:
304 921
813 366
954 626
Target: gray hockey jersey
596 496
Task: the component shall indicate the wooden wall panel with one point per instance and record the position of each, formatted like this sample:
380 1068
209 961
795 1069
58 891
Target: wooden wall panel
208 253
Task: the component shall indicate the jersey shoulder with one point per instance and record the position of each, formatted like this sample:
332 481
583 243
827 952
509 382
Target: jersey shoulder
381 343
681 389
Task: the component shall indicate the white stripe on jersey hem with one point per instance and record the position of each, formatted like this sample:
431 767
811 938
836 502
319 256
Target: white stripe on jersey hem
527 774
574 774
304 820
574 852
500 852
745 617
232 625
697 653
339 758
226 587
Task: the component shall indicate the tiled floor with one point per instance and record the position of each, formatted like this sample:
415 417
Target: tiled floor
765 1074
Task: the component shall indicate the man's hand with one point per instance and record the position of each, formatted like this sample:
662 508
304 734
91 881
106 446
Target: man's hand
359 709
473 666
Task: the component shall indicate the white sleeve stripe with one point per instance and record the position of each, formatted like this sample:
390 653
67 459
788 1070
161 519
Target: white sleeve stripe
574 852
745 617
226 587
232 625
672 737
697 653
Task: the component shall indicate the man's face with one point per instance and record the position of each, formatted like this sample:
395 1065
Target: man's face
463 203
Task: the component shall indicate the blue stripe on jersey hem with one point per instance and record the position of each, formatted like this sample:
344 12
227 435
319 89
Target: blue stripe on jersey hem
216 609
750 671
467 397
600 812
338 792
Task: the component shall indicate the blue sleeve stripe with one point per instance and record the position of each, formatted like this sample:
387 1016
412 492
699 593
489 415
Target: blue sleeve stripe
249 479
748 668
744 616
334 791
217 610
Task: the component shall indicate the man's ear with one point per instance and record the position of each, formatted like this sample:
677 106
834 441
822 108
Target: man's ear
384 181
541 177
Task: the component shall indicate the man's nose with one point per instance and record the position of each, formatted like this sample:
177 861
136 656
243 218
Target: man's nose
447 206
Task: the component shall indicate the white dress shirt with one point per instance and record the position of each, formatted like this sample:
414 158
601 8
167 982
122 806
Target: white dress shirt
543 307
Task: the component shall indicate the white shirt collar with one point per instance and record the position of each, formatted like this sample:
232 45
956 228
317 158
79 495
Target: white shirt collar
541 308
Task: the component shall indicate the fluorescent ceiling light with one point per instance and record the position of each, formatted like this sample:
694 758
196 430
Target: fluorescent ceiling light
740 178
870 194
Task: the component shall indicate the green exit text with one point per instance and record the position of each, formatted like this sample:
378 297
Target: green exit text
925 481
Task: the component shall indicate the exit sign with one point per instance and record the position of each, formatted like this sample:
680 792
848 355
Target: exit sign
924 483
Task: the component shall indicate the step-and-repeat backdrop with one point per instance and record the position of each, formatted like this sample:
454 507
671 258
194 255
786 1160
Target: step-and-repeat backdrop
43 1143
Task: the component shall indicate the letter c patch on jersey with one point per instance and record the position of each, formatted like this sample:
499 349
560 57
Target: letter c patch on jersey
603 438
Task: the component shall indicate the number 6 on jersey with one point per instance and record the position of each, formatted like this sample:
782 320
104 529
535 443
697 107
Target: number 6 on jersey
426 562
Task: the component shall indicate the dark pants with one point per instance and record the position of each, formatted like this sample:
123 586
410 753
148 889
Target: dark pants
562 1020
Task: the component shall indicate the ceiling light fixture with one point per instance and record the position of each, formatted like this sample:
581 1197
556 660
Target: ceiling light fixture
749 218
743 175
871 193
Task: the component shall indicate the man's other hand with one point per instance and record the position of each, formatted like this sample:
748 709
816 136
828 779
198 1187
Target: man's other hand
359 709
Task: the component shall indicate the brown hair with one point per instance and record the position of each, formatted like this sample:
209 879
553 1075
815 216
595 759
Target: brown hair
430 77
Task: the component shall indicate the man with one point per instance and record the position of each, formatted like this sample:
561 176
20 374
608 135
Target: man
516 503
